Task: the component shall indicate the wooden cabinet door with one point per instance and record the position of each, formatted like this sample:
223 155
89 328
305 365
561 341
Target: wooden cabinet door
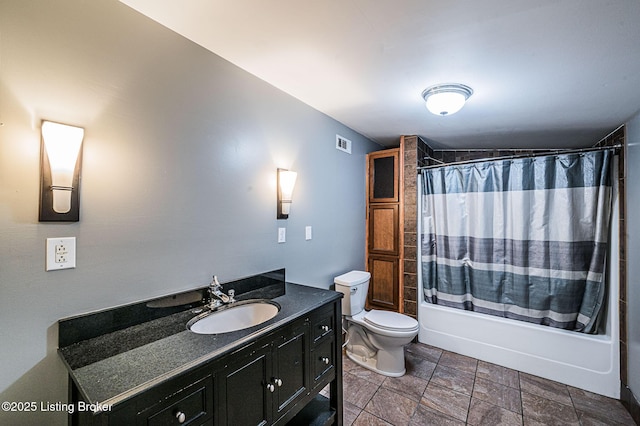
384 290
383 229
384 175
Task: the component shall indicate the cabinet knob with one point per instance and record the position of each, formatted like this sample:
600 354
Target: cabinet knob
325 360
278 382
271 387
181 417
325 328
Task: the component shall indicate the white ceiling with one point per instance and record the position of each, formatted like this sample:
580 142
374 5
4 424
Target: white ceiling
545 73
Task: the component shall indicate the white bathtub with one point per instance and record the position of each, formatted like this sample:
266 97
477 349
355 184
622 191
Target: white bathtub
590 362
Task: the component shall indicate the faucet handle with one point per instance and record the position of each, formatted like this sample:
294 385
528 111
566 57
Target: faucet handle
215 283
232 294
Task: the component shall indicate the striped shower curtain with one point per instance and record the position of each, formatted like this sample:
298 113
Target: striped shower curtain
522 238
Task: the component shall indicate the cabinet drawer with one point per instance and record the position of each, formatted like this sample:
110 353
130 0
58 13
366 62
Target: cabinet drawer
322 324
185 407
322 358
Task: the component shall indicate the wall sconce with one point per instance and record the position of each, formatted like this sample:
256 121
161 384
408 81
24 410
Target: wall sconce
286 182
60 163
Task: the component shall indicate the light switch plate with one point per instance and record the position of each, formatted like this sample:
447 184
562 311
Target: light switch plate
307 233
61 253
282 235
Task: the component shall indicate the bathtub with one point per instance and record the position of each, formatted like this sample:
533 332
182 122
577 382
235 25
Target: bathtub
589 362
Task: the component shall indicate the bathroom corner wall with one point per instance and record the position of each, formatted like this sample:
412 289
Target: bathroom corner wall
414 151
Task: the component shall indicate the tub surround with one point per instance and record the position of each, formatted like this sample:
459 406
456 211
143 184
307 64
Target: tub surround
116 354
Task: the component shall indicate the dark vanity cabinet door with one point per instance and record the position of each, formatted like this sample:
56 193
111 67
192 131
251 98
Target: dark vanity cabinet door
245 388
290 366
261 384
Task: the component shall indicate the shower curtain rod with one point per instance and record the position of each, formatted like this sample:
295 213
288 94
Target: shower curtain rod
511 157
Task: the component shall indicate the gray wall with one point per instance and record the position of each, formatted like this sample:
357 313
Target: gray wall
178 180
633 253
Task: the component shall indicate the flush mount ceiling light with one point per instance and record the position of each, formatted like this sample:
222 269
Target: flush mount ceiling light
446 99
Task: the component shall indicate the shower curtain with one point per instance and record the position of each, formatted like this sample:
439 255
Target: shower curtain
523 238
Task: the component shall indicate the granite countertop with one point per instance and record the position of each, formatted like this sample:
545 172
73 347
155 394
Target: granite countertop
113 367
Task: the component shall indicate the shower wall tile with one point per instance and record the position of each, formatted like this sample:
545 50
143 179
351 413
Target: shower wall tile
414 152
410 267
410 293
410 308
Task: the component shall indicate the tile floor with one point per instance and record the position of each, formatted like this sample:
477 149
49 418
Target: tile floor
445 388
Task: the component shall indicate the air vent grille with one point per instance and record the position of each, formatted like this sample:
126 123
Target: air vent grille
343 144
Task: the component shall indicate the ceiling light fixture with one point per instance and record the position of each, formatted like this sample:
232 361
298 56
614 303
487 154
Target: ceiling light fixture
446 99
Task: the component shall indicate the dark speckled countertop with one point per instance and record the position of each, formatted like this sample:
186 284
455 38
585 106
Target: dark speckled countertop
109 369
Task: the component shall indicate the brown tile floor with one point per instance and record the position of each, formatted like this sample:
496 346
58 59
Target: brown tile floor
445 388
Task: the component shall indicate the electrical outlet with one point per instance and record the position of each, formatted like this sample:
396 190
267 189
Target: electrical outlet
61 253
282 235
307 233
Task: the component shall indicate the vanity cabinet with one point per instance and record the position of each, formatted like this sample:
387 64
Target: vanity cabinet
274 379
261 383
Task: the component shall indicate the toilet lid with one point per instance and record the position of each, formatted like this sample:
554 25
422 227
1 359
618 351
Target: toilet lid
390 320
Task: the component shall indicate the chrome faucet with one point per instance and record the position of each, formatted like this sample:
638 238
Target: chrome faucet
217 297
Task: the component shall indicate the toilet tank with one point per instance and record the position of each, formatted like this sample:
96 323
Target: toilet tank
354 286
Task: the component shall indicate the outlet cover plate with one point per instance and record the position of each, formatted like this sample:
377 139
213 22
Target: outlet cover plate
61 253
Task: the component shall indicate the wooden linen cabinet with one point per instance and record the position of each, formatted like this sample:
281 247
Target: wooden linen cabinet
384 236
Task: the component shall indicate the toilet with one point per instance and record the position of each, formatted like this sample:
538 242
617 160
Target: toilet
375 339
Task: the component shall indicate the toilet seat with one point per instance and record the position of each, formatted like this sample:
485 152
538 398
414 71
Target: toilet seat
390 321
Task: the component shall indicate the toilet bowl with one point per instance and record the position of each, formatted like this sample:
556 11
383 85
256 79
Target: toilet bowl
375 339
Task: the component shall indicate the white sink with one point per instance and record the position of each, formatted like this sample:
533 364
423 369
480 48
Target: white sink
234 317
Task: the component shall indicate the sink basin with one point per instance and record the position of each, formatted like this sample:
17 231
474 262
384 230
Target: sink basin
238 316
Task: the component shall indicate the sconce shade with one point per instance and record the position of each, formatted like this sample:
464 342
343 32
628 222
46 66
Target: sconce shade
286 183
446 99
60 169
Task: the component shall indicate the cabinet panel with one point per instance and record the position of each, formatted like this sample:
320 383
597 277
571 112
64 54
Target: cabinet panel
322 359
185 400
384 291
322 324
383 176
383 229
247 400
290 378
184 411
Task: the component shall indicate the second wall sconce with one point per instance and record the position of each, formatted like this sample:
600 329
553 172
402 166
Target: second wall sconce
286 182
60 163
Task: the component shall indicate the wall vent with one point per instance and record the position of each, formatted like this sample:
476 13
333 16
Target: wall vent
343 144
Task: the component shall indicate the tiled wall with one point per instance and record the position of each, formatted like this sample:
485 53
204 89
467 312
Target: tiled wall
411 146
